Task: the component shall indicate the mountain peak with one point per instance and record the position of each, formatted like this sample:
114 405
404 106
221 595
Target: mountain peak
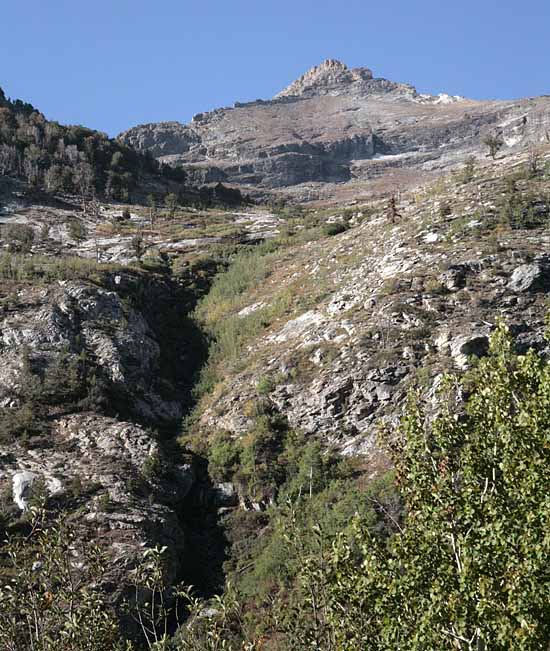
331 74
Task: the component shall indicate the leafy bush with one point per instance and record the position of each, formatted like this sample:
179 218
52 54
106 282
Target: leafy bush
76 229
21 267
53 603
66 379
223 456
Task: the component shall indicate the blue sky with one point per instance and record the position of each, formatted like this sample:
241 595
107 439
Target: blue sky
111 64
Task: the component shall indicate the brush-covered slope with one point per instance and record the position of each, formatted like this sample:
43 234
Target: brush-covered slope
316 325
55 158
333 333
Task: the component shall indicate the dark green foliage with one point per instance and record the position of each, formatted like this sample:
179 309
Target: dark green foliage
468 172
19 267
468 566
71 159
459 560
522 209
222 195
152 467
57 605
223 456
44 385
74 159
334 228
76 229
171 202
137 246
494 144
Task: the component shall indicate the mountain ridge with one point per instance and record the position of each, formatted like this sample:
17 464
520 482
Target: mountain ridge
332 126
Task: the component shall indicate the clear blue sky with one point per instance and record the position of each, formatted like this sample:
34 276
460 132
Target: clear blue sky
111 64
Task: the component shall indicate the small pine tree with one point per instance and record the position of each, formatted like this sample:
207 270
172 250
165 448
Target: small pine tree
171 202
494 143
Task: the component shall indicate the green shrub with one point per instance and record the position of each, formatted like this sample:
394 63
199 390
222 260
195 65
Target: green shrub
445 210
468 172
76 229
152 467
19 237
467 567
22 267
334 228
54 606
223 456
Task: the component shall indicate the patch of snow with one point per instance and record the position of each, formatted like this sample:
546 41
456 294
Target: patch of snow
442 98
393 156
445 98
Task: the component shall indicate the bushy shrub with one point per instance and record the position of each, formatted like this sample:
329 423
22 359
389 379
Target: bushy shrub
223 456
334 228
467 568
19 237
48 601
76 230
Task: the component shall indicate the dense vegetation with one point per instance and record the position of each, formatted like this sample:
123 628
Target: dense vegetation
461 564
78 160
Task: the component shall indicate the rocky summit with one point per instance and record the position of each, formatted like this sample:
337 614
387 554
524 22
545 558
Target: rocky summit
336 132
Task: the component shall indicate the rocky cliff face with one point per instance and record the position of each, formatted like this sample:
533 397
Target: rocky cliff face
92 371
331 76
337 126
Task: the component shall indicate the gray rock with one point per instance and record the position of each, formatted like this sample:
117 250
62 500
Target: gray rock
531 277
466 345
105 457
336 125
225 495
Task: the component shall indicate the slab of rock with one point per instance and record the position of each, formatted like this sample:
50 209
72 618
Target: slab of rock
22 483
531 277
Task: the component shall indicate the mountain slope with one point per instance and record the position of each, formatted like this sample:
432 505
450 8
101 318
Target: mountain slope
348 324
55 158
338 125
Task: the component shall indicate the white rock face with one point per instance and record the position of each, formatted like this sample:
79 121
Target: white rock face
22 488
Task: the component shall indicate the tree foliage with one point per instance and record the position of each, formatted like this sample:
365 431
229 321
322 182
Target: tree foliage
74 159
469 568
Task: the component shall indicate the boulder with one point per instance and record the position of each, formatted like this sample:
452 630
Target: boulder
22 483
531 277
467 345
